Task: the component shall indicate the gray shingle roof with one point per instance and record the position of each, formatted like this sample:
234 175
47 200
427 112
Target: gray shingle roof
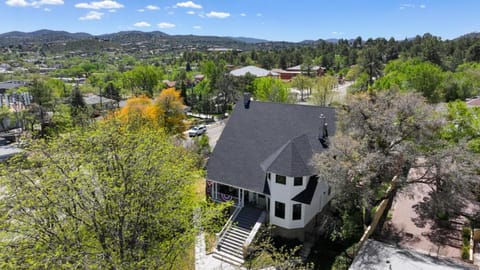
253 70
278 136
306 195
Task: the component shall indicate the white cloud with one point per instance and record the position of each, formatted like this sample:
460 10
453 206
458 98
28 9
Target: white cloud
47 10
112 10
165 25
171 13
50 2
259 14
191 12
142 24
17 3
24 3
197 27
92 15
243 14
188 4
337 33
141 10
405 6
219 15
423 6
107 4
152 7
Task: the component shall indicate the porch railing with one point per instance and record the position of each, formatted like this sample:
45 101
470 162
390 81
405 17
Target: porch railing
227 225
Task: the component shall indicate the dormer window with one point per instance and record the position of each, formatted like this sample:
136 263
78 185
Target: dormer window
269 176
280 179
298 181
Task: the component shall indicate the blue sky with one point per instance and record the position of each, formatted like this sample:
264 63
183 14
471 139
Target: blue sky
268 19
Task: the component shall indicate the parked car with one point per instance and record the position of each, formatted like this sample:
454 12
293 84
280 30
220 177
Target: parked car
197 130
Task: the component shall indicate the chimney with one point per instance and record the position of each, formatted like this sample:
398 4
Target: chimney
323 131
246 100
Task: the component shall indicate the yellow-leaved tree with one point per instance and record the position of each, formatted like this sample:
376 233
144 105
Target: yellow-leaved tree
170 108
166 111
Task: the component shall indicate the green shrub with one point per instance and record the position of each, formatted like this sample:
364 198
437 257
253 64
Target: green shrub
466 233
465 252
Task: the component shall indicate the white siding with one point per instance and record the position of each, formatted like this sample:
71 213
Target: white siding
284 193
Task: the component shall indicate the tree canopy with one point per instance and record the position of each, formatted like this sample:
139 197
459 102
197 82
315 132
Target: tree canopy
106 198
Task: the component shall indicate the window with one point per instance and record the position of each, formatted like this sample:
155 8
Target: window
280 179
329 190
298 181
279 209
297 211
268 176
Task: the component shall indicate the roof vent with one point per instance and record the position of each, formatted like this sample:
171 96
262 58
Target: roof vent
323 131
246 100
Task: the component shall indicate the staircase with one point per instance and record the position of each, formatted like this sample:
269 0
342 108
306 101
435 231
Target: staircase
230 246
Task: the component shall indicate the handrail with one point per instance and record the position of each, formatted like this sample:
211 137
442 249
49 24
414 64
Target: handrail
227 225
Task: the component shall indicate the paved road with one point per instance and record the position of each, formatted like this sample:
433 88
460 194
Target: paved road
214 131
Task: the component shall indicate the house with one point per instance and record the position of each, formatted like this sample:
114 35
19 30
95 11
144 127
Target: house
379 255
7 85
291 72
99 103
473 102
263 160
253 70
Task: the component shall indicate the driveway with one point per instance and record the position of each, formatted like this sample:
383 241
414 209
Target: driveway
214 131
410 227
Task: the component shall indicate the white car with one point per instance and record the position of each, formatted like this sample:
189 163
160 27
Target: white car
197 130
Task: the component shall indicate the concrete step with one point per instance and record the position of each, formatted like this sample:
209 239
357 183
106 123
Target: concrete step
240 231
234 241
228 258
234 251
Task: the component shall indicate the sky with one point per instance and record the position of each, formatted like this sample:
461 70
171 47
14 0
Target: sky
276 20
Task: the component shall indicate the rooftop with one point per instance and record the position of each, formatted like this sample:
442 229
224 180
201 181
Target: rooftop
275 136
253 70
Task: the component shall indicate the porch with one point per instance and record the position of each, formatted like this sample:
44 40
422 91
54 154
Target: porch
241 197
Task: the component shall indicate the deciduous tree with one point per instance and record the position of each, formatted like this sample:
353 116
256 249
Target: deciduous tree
109 198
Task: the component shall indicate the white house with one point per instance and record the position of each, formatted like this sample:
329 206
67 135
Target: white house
263 160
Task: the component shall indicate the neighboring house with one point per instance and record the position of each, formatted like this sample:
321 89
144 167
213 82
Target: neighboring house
473 102
375 255
99 103
253 70
7 85
291 72
263 160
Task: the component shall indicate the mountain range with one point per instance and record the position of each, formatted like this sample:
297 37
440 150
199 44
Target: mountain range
51 36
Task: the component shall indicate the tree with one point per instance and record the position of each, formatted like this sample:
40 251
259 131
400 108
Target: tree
112 92
371 62
171 111
463 124
139 112
5 116
473 53
107 198
78 108
302 83
271 89
413 74
144 78
322 93
42 97
378 137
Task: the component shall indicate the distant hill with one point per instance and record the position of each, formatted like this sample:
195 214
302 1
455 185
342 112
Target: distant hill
43 36
249 40
470 35
133 36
